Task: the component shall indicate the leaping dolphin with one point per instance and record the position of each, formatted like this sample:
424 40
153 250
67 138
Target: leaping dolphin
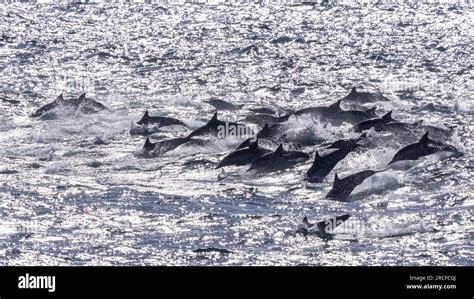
265 119
322 166
81 104
278 160
342 188
323 229
321 112
223 105
374 122
364 97
352 116
423 147
244 156
162 121
341 143
213 126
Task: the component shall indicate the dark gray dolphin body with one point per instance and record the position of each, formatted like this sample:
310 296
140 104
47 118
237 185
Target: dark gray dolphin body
244 156
153 150
157 149
341 143
423 147
323 229
351 116
271 133
322 166
342 188
81 104
364 97
278 160
265 119
162 121
223 105
398 127
212 127
374 122
272 110
321 112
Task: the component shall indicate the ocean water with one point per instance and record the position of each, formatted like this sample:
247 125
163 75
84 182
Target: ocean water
75 191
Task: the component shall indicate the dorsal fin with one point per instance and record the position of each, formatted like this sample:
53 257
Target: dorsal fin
306 222
418 123
371 112
336 179
254 145
148 145
387 116
213 119
317 157
264 130
353 91
425 140
60 98
336 105
144 119
82 97
279 149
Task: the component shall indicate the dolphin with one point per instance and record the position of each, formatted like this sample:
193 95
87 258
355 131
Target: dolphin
364 97
374 122
272 110
352 116
157 149
323 229
424 147
59 101
162 121
278 160
321 112
244 156
398 127
88 105
341 143
150 149
322 166
265 119
223 105
271 133
81 104
212 127
342 188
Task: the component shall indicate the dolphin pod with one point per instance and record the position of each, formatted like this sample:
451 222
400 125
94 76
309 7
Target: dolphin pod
266 153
